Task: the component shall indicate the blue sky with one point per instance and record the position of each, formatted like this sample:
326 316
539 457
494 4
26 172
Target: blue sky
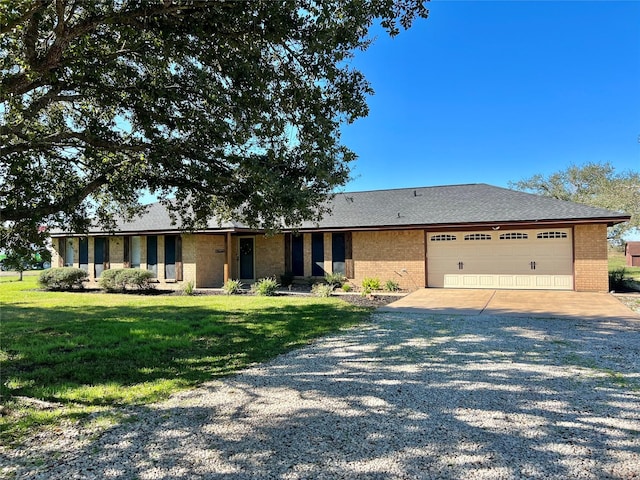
497 91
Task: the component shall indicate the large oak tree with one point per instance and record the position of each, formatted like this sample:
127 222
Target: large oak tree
228 106
595 184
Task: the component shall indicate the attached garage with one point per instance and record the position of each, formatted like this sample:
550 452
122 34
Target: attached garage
511 259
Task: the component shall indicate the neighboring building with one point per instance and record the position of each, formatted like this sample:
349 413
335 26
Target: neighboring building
632 252
460 236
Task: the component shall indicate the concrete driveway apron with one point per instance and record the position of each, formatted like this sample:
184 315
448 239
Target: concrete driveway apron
521 303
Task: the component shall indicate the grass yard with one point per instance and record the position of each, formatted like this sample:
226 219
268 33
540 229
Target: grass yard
66 355
617 261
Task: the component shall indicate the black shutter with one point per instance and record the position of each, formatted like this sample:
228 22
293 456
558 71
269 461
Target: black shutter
126 260
349 267
178 258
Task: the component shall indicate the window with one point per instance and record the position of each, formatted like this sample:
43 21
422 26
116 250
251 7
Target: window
477 236
100 255
513 236
172 257
338 253
68 252
443 238
83 253
135 252
152 254
317 254
542 235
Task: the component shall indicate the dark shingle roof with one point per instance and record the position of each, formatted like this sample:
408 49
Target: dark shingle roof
157 218
453 204
423 206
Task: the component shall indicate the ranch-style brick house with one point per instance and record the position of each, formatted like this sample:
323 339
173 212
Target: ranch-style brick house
457 236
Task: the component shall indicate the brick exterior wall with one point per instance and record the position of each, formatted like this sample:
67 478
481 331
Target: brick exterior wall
306 247
269 256
209 261
393 255
387 255
590 258
189 259
116 252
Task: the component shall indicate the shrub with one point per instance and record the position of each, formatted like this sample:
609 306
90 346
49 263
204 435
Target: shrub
391 286
346 287
120 279
616 279
370 284
62 278
109 282
322 289
286 279
335 279
265 287
232 287
189 288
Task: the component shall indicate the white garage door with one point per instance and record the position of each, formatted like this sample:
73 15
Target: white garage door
519 259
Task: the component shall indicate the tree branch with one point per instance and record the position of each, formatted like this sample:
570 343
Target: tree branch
38 6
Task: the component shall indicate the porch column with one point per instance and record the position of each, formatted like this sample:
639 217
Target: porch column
227 256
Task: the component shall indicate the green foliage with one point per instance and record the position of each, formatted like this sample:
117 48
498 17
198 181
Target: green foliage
286 279
617 278
265 287
617 259
595 184
322 289
391 286
232 287
189 288
121 279
335 279
107 281
370 284
23 250
62 278
86 351
244 99
347 287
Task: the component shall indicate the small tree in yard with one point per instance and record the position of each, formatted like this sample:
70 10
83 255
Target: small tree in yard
23 252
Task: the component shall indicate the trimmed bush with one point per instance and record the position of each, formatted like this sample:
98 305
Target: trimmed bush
616 278
121 279
232 287
335 279
391 286
62 278
370 284
347 287
265 287
322 289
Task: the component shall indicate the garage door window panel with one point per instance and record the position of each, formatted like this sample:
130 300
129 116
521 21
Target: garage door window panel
477 236
551 235
514 236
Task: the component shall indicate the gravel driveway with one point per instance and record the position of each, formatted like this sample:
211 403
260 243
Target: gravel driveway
406 396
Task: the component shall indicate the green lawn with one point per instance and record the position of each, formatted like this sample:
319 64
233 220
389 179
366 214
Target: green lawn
88 352
617 261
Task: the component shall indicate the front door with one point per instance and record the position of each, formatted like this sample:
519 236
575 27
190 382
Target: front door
246 258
